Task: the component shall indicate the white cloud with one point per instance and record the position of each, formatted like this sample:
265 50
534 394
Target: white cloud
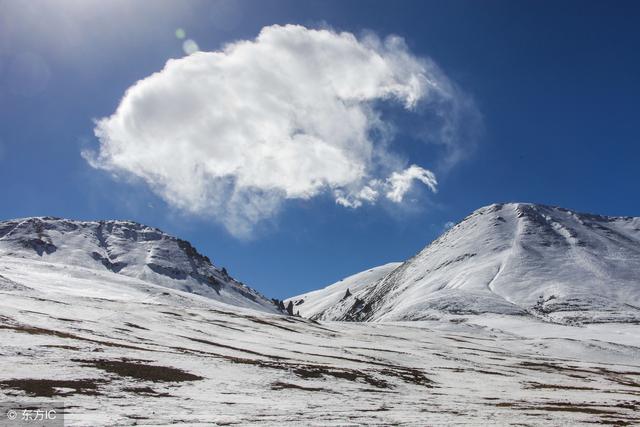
400 182
234 133
393 188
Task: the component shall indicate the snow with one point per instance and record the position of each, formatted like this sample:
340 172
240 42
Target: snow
516 258
126 248
124 344
62 323
314 304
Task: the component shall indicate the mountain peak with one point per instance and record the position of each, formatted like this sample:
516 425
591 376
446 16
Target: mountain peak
512 258
128 248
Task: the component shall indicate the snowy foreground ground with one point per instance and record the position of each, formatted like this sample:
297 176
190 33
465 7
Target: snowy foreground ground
118 351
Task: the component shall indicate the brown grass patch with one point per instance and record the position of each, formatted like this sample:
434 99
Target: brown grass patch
145 391
278 385
535 386
141 371
43 331
48 388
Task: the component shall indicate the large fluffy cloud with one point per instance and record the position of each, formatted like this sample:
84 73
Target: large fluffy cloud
292 114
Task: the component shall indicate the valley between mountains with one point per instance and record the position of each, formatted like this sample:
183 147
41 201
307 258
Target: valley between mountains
519 315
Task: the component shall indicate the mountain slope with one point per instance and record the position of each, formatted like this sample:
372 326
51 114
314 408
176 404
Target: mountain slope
513 259
118 351
317 304
129 249
139 346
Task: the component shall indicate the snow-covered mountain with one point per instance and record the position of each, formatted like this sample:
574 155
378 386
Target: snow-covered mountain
118 351
318 304
106 318
126 248
512 258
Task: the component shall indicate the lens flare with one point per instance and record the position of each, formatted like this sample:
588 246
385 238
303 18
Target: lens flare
190 46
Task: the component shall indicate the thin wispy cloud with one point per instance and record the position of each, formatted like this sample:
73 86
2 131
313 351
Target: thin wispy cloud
233 134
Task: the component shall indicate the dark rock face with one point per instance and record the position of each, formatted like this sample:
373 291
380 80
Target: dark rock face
113 266
290 308
31 234
41 246
193 253
279 304
172 272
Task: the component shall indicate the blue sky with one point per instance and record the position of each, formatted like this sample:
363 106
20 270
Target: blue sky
555 83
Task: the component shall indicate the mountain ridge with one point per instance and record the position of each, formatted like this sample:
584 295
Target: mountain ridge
128 248
512 258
